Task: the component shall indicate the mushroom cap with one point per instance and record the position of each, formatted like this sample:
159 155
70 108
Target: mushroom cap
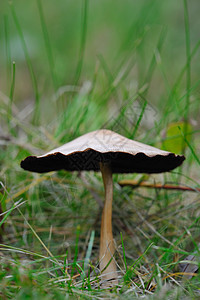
87 151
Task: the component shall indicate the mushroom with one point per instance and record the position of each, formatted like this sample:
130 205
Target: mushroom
106 151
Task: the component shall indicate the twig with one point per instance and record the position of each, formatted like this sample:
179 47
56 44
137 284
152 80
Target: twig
135 184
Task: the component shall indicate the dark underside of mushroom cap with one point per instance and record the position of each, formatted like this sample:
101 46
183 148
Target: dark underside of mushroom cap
89 161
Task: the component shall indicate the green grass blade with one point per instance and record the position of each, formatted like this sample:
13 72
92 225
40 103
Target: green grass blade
153 60
89 251
7 48
139 120
76 251
36 116
83 40
12 88
47 45
190 146
12 85
188 65
133 266
124 255
15 205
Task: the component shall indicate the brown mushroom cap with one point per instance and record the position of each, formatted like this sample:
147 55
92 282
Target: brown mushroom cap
123 155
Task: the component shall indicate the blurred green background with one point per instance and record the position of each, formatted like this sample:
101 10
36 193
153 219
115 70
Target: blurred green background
122 38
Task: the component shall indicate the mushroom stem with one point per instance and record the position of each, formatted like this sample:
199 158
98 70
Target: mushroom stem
107 247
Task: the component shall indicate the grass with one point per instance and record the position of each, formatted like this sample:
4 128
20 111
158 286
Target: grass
68 69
